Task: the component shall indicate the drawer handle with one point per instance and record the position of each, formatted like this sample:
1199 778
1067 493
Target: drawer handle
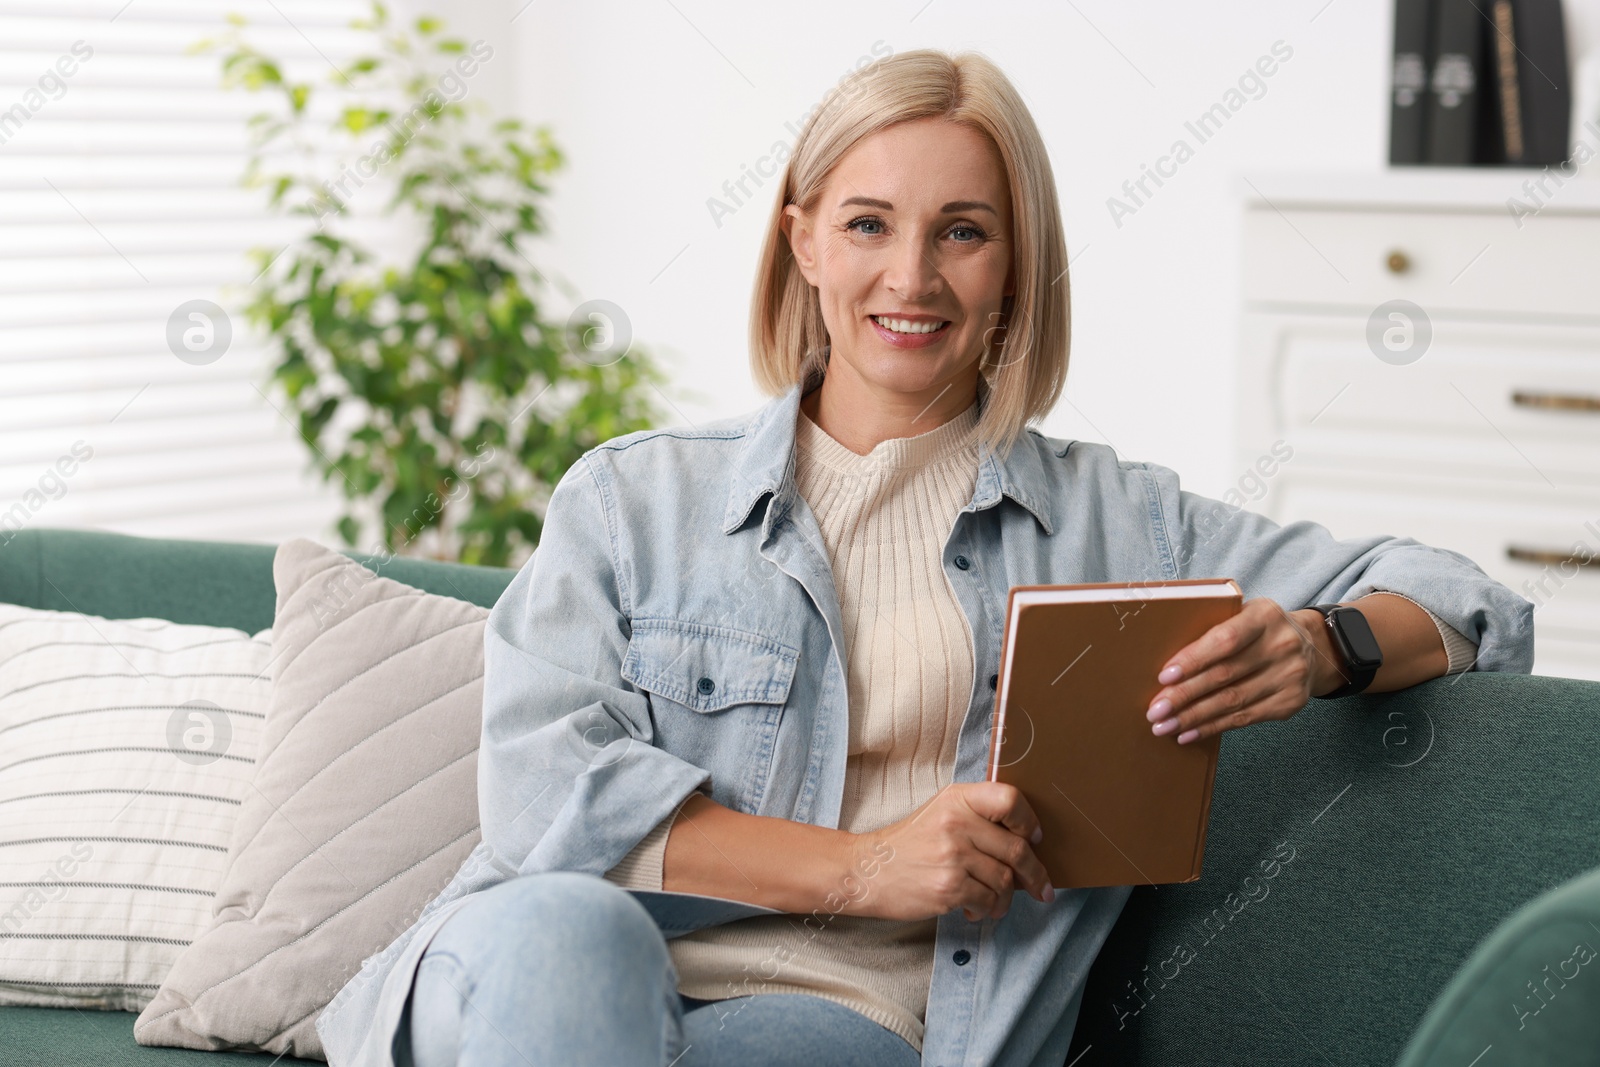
1556 401
1550 557
1398 262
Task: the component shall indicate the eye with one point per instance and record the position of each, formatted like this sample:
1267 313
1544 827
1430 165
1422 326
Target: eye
974 233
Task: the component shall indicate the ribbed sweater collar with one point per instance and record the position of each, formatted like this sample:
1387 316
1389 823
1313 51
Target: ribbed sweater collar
940 443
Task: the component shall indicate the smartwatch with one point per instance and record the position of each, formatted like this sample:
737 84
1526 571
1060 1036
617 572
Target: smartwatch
1352 636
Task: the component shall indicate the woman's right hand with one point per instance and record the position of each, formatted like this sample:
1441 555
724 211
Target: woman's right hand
968 847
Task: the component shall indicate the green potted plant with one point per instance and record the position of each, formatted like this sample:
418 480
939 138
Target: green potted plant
430 384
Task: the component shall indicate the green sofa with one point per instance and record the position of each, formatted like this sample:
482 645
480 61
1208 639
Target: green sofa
1356 857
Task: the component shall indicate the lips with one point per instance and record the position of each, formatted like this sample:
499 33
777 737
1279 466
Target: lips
908 334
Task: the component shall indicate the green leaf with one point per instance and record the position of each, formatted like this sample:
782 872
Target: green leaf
318 419
356 119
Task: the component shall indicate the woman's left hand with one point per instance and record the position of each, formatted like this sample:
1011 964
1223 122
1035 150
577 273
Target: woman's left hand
1264 663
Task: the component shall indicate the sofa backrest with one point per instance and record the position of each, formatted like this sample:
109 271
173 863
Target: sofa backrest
210 583
1356 855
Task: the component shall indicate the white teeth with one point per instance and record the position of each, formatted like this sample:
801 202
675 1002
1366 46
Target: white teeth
907 326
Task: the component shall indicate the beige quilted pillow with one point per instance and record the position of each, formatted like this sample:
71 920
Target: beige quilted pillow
363 805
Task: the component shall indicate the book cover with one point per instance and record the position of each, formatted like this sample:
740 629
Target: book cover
1118 804
1453 120
1508 136
1543 80
1408 103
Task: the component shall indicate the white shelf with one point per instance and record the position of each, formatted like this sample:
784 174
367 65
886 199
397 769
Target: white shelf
1412 189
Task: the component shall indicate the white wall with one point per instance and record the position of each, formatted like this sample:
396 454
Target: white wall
659 104
120 207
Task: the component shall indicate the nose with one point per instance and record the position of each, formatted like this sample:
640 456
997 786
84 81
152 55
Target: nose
912 275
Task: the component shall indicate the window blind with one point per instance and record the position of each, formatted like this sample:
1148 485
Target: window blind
120 159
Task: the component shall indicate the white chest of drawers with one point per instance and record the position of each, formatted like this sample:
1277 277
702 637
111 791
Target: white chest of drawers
1472 425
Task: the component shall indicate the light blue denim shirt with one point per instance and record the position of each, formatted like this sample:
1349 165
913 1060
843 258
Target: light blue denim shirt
678 630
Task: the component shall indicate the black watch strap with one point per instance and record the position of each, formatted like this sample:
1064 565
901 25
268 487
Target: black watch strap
1349 633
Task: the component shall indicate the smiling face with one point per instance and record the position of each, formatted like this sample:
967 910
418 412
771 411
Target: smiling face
910 252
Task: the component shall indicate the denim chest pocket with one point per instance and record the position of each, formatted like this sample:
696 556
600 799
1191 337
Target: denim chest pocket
716 699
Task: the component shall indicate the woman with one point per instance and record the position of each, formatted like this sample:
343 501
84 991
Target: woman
737 705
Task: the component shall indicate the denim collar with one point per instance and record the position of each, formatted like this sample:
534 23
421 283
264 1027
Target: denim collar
765 464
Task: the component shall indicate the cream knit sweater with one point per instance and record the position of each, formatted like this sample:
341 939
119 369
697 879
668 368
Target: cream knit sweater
884 518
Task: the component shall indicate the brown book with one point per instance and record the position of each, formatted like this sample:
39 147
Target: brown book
1118 804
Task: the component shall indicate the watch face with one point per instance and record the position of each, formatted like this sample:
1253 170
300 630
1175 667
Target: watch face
1363 647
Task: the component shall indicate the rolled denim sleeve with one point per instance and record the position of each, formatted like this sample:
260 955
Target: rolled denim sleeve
1459 652
568 775
1301 563
642 868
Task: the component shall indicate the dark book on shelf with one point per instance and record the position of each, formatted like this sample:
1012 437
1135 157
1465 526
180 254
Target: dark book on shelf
1503 136
1498 87
1532 102
1408 90
1454 84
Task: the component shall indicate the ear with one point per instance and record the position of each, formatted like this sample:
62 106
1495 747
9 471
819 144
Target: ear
801 233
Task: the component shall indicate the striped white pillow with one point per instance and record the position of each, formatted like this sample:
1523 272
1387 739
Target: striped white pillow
126 747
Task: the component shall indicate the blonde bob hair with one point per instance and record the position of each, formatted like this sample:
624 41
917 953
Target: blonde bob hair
1024 363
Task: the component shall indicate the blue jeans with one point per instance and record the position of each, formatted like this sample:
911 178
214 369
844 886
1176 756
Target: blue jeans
568 969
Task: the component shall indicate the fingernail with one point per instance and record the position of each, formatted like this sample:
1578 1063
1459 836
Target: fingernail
1169 674
1049 893
1159 710
1187 736
1165 726
1038 835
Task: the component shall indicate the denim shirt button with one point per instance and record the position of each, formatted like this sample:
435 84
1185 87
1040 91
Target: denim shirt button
706 686
962 562
962 957
994 681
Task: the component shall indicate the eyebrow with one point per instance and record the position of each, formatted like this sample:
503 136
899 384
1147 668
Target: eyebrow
949 209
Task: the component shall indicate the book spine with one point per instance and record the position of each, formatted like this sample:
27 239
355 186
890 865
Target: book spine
1453 86
1506 89
1544 81
1408 104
